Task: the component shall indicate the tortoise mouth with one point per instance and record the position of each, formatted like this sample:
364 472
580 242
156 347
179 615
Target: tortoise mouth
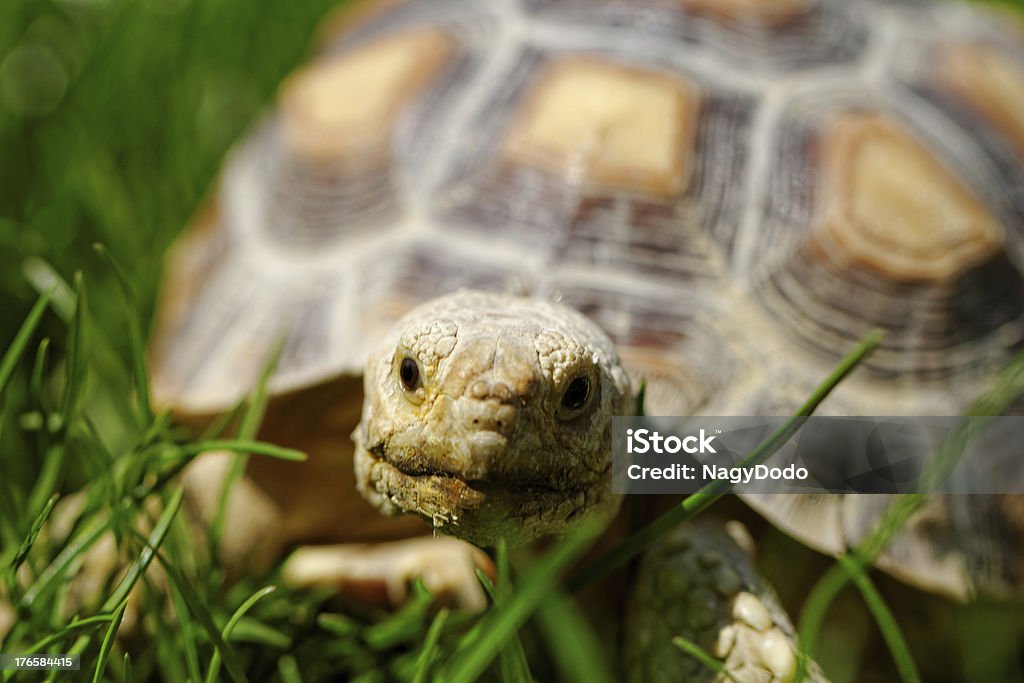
479 511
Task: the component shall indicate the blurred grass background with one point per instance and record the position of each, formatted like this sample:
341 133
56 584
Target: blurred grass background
114 118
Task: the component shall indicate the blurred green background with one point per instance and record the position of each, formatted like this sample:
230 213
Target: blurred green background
114 118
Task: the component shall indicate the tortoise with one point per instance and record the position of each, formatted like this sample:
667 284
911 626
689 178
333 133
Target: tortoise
480 225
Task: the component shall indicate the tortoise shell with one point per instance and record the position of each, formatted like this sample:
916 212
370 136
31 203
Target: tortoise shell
735 191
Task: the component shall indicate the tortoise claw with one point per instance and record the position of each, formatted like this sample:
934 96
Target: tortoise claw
380 574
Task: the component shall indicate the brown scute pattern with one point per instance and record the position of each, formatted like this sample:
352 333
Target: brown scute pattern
641 238
316 201
602 124
473 30
652 238
971 76
934 328
921 73
931 330
890 204
600 226
313 204
343 104
827 32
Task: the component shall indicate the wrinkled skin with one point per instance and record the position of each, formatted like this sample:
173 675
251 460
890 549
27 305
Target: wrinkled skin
491 416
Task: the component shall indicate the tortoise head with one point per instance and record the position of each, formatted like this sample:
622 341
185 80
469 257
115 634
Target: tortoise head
491 415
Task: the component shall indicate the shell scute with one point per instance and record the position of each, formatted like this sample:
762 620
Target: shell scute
589 197
887 235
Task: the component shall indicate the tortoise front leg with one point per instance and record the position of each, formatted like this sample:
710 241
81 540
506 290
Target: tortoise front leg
700 584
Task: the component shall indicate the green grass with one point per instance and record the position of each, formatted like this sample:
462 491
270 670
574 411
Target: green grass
111 135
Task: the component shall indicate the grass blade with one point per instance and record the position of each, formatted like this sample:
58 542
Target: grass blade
244 446
251 631
199 611
140 373
217 427
886 621
214 670
21 339
48 282
185 628
71 399
44 643
153 543
512 659
73 627
700 654
338 625
430 649
75 374
108 642
33 533
581 658
48 480
251 420
474 656
851 567
405 625
38 372
62 563
288 670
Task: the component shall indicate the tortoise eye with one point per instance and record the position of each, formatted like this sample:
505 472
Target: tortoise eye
409 373
575 398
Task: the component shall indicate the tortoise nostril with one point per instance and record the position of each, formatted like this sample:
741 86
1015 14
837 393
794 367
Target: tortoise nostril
489 415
